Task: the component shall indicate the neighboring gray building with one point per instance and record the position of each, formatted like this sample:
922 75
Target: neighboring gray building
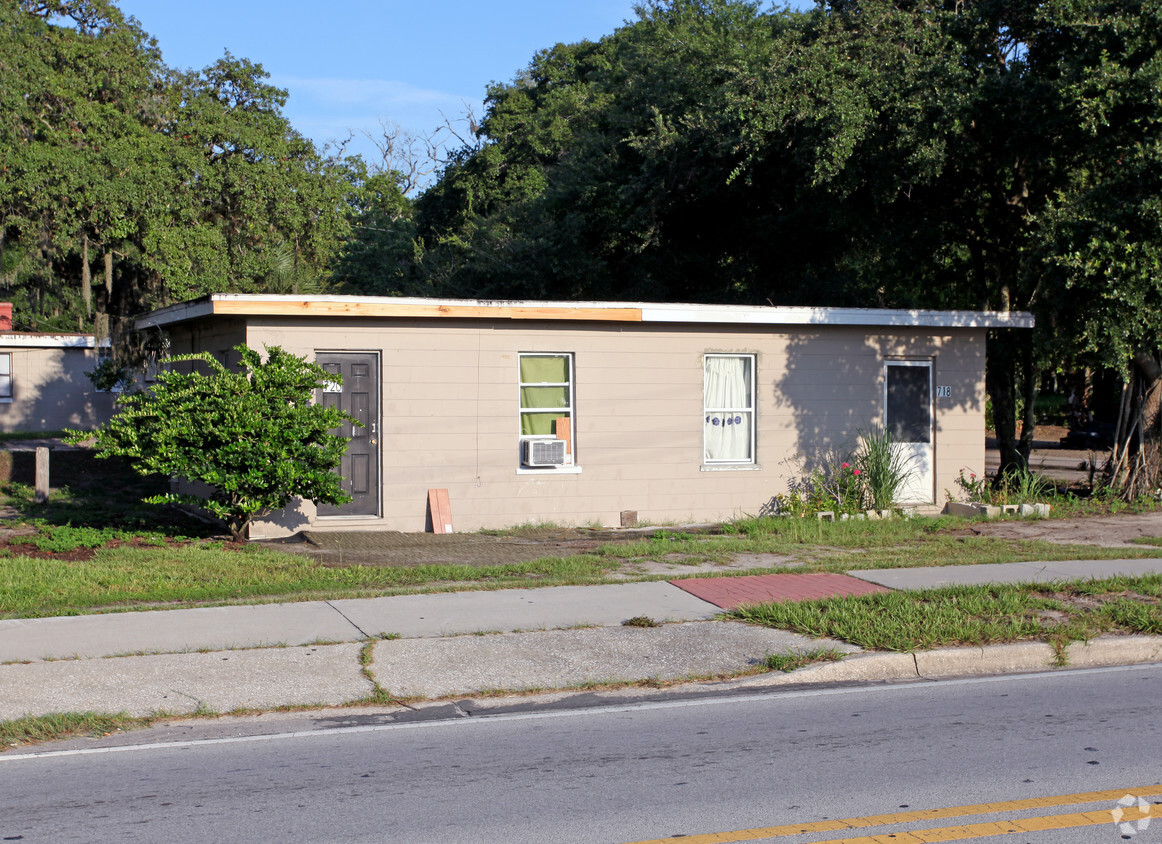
43 386
572 412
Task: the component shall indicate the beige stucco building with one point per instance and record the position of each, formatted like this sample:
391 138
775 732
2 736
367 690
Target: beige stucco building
573 412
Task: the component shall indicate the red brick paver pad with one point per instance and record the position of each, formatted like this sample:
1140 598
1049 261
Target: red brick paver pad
731 592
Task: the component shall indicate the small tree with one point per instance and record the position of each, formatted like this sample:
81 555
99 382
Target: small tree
253 435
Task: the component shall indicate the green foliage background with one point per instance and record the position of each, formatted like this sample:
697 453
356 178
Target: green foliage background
126 184
989 154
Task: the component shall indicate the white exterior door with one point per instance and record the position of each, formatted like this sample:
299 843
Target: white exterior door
909 418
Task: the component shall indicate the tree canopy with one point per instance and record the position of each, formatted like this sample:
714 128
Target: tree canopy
982 154
173 183
991 154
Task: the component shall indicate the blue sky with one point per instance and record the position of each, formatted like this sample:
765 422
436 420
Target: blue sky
349 65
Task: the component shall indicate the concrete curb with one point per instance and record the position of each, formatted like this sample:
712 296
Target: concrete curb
1115 650
1015 658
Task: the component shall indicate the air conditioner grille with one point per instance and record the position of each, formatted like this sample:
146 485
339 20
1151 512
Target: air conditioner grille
544 452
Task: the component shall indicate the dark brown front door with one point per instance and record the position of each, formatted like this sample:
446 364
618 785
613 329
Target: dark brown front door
359 396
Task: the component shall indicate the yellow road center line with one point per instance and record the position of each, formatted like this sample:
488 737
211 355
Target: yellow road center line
990 829
1100 817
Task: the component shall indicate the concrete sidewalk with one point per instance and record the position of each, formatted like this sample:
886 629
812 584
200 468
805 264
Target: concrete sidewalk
423 646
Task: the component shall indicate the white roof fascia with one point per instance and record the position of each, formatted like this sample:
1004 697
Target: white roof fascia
758 315
189 310
10 340
655 312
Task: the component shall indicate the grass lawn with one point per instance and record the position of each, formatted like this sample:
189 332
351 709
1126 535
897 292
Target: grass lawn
96 548
974 615
208 573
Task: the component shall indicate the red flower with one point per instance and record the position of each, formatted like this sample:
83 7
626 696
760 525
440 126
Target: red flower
845 465
855 471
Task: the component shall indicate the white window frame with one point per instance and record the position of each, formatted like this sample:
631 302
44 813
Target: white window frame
751 412
5 378
569 411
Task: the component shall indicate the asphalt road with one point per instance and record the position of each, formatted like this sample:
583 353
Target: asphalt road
620 774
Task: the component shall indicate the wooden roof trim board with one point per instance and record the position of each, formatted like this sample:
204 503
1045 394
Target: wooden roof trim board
388 307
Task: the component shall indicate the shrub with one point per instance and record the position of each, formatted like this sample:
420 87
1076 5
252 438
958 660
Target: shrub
253 436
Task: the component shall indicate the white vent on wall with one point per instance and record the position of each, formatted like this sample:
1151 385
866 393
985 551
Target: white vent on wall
543 452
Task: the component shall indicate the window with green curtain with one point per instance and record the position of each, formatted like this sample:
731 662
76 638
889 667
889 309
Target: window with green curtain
546 394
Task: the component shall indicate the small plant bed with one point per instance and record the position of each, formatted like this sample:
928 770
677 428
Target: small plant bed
974 615
77 544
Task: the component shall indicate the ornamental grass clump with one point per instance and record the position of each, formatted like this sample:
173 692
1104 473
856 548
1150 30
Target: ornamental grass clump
884 468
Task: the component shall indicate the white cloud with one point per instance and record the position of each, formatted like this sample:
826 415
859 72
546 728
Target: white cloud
377 94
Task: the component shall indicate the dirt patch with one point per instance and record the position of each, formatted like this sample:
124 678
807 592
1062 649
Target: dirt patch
13 547
77 555
390 548
386 548
1103 531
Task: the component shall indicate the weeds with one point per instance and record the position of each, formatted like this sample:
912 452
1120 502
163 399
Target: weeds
794 660
59 725
640 621
378 694
1017 488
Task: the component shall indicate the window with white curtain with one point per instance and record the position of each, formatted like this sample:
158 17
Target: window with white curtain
728 401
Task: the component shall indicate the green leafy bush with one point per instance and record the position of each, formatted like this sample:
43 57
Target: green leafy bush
252 437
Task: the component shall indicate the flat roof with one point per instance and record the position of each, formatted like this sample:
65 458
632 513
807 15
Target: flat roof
243 304
39 340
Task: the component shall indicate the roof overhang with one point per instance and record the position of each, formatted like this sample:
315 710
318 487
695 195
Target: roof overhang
14 340
248 305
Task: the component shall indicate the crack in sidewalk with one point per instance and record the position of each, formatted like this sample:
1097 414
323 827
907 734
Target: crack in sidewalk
344 616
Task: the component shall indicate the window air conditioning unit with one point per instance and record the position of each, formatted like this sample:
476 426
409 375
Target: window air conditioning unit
543 452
